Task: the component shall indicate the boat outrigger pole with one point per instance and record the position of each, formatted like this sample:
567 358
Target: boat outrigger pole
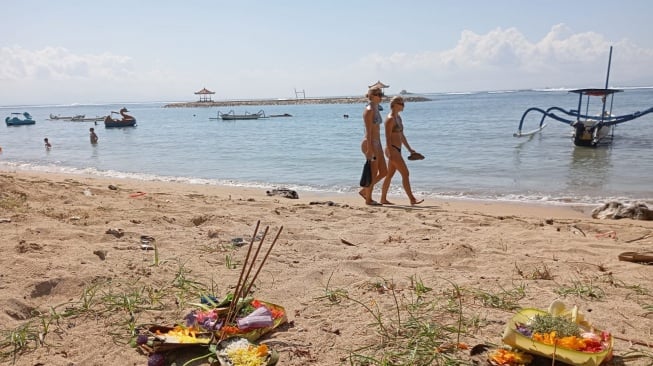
607 80
607 77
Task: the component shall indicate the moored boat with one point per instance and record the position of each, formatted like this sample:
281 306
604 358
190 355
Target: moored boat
16 120
233 116
589 129
83 118
76 118
57 117
126 121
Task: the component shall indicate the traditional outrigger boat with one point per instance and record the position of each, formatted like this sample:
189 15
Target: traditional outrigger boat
83 118
76 118
16 120
233 116
57 117
588 130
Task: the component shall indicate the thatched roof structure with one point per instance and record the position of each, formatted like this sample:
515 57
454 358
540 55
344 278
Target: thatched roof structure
379 84
205 95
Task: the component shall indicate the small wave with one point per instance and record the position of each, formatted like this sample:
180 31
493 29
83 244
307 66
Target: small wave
23 166
548 90
502 91
460 93
633 87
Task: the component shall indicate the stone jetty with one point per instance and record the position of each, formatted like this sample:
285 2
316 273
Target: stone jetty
289 101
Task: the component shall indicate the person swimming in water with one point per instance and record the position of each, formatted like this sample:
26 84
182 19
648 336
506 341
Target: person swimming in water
92 135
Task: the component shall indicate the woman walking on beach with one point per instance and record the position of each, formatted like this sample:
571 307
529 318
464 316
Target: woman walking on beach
394 137
371 145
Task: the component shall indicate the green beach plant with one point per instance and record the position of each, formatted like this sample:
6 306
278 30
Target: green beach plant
504 299
334 296
582 290
414 336
229 262
16 341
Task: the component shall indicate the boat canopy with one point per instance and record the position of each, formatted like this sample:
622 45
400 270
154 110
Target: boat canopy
594 92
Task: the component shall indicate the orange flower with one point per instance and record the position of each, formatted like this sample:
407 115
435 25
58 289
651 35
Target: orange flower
262 350
570 342
229 329
506 357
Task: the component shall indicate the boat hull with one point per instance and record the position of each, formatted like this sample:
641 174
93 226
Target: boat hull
90 119
19 122
119 123
231 117
591 133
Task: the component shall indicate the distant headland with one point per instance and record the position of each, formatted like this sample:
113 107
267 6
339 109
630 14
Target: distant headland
289 101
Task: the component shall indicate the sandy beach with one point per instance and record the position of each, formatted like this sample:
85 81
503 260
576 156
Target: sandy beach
75 275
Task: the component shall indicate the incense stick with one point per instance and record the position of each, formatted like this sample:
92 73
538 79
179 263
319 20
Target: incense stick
243 279
263 261
238 284
242 282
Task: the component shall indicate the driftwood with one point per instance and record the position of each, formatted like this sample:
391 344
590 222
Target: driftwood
640 238
346 242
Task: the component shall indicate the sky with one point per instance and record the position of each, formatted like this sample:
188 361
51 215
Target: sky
65 52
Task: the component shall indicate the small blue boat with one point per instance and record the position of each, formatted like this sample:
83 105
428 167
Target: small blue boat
16 120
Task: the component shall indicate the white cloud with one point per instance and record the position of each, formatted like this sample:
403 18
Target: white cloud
56 63
504 58
55 74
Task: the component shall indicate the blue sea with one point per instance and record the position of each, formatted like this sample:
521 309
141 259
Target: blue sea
467 139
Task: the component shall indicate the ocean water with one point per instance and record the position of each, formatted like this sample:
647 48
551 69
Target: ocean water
467 140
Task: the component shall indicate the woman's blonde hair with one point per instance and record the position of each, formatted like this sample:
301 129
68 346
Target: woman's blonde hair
395 100
374 91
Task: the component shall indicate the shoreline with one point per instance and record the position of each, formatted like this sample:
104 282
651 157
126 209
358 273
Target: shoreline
288 101
349 198
563 202
493 206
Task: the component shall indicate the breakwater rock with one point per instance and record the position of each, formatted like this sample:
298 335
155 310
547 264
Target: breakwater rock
342 100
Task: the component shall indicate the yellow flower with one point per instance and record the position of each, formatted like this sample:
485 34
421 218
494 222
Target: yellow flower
248 356
186 335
